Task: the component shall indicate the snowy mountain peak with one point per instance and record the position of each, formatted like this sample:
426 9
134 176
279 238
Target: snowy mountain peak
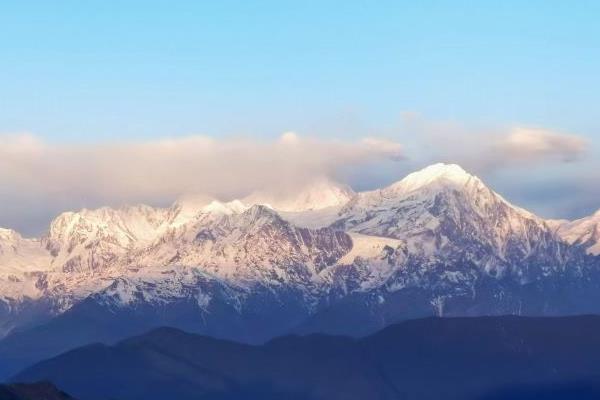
8 235
187 207
582 232
218 207
259 213
440 230
316 195
440 172
18 254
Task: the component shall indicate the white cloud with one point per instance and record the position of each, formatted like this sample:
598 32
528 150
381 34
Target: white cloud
39 179
482 149
392 149
162 170
533 144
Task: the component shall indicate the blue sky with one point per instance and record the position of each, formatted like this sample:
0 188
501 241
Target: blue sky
99 73
76 70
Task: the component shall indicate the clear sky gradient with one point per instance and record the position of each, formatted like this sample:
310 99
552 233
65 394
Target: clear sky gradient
74 70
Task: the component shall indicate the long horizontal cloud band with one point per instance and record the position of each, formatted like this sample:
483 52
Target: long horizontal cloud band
172 167
57 177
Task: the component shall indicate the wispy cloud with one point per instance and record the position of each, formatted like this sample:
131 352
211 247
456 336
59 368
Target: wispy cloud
483 149
161 170
530 145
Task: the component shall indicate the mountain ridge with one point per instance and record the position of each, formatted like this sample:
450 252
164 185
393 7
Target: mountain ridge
427 358
438 242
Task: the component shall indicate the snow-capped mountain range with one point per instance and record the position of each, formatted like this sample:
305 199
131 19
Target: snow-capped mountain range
438 241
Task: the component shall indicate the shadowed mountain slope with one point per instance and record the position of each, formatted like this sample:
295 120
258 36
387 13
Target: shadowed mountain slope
32 391
432 358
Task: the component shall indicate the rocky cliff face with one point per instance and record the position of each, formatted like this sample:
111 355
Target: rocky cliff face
584 233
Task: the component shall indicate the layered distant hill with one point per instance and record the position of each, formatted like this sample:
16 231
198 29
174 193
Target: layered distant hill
32 391
325 259
483 358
